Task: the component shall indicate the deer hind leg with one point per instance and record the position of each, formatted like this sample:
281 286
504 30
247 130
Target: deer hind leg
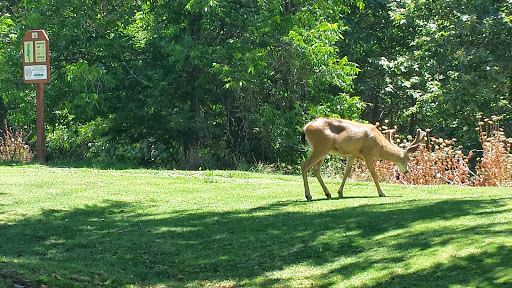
348 168
369 164
313 159
316 171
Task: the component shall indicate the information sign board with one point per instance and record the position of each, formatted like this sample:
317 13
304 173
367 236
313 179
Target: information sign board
36 57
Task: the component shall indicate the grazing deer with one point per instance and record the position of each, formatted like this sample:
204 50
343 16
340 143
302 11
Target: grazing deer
352 140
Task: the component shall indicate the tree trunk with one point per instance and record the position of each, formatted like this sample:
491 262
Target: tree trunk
3 111
510 89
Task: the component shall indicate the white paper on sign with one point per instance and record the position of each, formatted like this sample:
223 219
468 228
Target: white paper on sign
36 72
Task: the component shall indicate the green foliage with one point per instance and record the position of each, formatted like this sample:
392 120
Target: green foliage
434 64
219 83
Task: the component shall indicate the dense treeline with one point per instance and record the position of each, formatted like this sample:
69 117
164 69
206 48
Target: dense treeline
222 84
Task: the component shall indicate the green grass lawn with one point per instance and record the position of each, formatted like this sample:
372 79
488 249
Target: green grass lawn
145 228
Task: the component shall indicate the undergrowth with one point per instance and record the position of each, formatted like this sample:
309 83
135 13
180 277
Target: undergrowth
13 146
442 161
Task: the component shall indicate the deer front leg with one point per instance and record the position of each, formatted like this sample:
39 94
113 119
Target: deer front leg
316 171
314 158
348 168
369 164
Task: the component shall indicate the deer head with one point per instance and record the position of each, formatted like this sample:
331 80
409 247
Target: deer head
402 163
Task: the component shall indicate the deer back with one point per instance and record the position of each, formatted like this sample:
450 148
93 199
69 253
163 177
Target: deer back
347 138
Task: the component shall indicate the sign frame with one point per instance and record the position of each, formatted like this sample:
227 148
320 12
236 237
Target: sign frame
36 57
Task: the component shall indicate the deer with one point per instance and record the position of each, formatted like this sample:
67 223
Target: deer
353 140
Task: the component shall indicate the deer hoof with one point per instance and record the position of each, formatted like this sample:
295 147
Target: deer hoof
328 196
382 195
308 197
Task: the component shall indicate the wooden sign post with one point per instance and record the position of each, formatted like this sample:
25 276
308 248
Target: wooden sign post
36 70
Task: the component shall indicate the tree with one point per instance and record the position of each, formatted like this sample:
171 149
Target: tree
185 84
433 64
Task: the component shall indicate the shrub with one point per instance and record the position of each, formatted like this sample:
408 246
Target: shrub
13 146
442 161
495 166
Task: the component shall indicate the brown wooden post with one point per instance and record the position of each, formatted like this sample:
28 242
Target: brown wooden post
36 70
41 147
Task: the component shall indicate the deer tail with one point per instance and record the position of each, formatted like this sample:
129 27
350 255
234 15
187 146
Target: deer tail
303 136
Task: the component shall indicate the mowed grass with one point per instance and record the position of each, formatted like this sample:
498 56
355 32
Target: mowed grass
144 228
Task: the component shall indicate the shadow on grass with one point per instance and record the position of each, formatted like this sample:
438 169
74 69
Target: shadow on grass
113 244
488 269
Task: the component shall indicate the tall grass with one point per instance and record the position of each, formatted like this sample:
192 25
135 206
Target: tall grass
442 161
13 146
495 166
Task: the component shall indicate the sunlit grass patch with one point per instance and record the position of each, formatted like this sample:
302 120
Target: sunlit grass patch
145 228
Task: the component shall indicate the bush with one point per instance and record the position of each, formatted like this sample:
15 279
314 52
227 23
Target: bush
13 147
495 166
442 161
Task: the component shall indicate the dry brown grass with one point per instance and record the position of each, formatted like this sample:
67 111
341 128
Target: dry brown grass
494 168
442 161
13 147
